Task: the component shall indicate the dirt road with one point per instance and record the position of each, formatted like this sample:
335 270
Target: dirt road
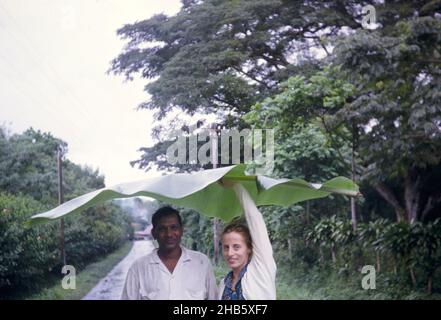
111 286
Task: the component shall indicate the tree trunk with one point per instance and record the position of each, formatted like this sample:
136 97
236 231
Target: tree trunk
216 241
389 196
307 213
429 284
60 201
412 275
334 255
290 249
353 215
360 257
353 209
377 253
431 202
394 266
214 161
430 278
412 210
411 196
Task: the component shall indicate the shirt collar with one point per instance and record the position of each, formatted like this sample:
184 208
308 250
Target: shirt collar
184 255
229 278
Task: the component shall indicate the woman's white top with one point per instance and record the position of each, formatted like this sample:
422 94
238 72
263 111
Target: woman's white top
259 281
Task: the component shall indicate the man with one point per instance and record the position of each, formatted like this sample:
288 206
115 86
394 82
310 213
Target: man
171 271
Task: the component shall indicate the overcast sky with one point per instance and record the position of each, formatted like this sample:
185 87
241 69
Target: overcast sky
53 61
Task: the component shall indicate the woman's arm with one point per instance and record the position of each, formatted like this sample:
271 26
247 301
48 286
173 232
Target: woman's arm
262 250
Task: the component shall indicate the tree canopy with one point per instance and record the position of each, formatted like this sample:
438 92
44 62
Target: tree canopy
28 166
375 91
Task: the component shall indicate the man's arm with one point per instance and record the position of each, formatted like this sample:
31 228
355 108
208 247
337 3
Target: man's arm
131 287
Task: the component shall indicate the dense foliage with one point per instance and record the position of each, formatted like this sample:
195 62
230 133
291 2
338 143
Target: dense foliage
30 256
342 100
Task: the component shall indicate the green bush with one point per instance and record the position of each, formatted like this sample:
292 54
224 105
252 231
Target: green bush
27 253
96 232
29 256
407 256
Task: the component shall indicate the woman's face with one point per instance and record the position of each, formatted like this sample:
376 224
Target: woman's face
235 250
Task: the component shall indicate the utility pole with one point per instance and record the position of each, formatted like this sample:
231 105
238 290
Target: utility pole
353 204
353 207
60 201
214 159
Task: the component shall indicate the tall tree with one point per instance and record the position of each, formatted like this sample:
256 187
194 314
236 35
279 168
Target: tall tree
223 56
305 144
28 165
396 111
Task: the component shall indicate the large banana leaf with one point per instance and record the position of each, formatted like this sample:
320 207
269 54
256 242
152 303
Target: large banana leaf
203 192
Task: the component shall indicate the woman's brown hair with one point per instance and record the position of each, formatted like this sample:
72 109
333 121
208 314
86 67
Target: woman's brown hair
241 228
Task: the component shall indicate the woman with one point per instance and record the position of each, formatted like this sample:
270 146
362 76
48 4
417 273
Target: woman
248 252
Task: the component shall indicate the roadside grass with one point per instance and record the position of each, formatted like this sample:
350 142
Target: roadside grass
330 285
86 279
313 284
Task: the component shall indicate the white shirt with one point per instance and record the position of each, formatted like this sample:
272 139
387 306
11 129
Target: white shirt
192 278
259 281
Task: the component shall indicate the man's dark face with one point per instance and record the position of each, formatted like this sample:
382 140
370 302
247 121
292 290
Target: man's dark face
168 233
